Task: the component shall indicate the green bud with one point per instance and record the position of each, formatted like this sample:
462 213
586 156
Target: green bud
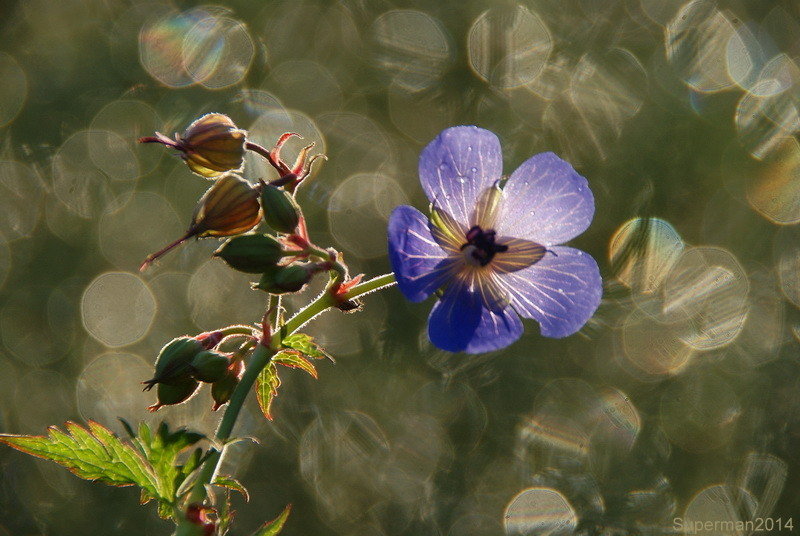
251 253
175 392
174 360
209 366
286 279
222 390
281 211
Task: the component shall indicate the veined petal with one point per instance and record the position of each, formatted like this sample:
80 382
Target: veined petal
447 232
457 166
561 291
487 208
546 201
460 322
483 282
420 265
520 254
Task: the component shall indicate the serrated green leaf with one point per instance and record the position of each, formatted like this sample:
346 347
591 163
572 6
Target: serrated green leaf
95 453
162 450
274 527
306 345
92 454
267 388
225 481
295 359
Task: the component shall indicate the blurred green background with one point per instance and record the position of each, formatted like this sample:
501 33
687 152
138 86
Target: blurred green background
680 399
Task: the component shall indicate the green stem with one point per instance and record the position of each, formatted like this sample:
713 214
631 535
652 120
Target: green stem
260 358
258 361
236 330
371 285
275 310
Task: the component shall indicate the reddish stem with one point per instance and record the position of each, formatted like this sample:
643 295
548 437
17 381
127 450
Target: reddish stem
277 164
153 256
160 138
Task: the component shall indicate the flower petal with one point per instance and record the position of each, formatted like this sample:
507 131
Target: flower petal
561 291
546 201
447 232
519 255
459 322
420 265
457 166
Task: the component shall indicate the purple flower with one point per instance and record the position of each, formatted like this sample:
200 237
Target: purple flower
491 246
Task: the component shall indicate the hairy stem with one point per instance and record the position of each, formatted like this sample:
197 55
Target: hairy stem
256 148
260 358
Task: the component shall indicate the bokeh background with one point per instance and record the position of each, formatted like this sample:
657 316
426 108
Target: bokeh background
680 399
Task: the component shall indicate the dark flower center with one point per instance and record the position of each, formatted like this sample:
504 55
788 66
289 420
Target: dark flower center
481 247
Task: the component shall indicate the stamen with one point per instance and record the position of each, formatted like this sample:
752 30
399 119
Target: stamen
480 247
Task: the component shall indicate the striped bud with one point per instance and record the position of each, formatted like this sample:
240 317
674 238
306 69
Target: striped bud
251 253
212 145
281 211
228 208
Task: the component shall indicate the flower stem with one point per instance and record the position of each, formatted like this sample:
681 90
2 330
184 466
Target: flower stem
371 285
258 149
258 361
260 358
154 256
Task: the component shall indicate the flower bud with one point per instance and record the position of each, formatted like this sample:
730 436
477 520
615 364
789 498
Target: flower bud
174 392
209 366
212 145
228 208
251 253
286 279
173 363
281 211
222 389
